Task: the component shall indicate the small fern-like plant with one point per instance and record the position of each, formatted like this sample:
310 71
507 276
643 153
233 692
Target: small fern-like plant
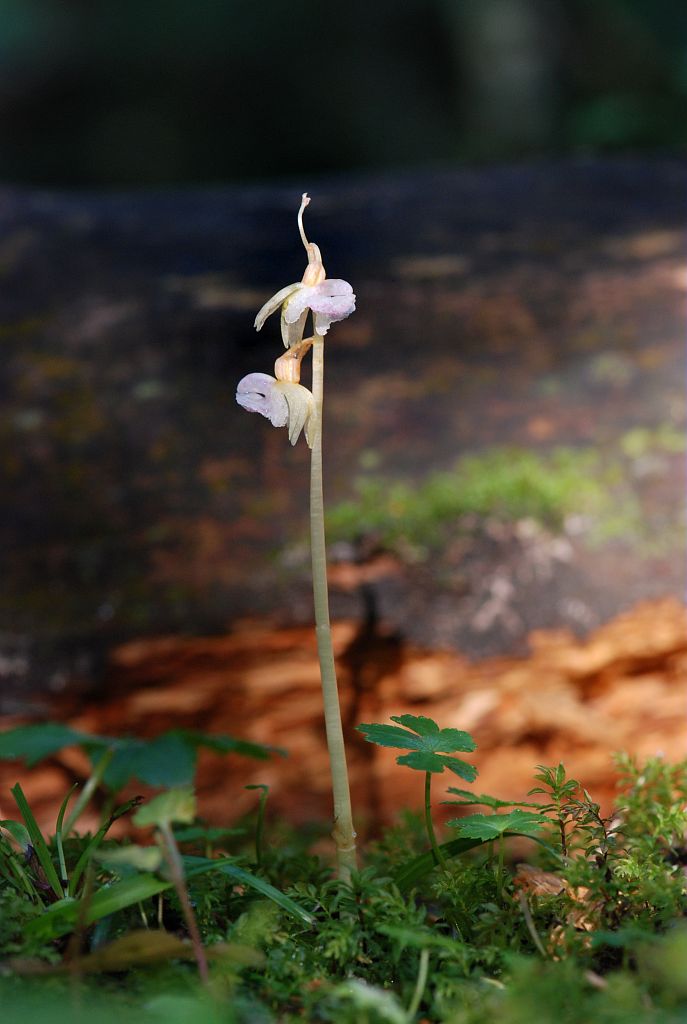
431 750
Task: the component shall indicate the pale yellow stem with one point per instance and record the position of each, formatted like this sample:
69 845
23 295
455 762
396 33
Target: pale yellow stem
343 834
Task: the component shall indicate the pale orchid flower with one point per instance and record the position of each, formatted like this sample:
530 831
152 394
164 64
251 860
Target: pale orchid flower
282 399
284 403
328 299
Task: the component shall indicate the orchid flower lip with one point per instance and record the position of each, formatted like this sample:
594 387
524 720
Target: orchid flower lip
256 393
283 403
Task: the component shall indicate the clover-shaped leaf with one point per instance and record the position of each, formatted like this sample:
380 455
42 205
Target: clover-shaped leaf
430 746
138 858
33 743
490 826
174 805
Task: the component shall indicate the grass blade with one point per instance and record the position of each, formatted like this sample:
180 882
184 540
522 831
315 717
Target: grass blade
19 833
58 842
97 839
198 865
11 868
92 783
60 918
37 841
413 870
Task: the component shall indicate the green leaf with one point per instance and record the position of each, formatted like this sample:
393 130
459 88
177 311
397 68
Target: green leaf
167 760
206 834
458 767
140 858
198 865
33 743
224 744
406 935
422 761
450 739
19 833
37 841
60 918
390 736
170 759
470 799
413 870
174 805
429 744
487 827
89 849
418 723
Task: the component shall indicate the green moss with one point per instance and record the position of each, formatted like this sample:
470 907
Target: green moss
504 483
610 943
663 439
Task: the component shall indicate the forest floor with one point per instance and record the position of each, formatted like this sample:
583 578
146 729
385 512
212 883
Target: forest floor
622 689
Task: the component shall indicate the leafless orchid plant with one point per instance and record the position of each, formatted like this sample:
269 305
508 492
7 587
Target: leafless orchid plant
286 403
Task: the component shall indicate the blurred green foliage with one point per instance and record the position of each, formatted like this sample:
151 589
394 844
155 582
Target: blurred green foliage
172 91
508 484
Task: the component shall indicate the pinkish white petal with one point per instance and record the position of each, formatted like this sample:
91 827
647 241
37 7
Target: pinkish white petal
301 408
322 323
284 403
333 299
334 303
257 392
292 333
297 304
273 304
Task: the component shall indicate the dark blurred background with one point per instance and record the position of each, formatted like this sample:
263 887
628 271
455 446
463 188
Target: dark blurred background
503 183
94 93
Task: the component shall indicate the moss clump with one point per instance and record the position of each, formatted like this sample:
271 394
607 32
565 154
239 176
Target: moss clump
505 483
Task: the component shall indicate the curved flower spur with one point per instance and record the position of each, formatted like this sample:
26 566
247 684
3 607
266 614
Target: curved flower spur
285 402
328 299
